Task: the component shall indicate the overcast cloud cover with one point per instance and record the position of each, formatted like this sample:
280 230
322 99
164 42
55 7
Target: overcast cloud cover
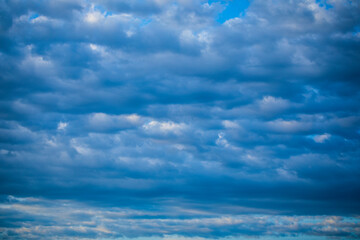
186 120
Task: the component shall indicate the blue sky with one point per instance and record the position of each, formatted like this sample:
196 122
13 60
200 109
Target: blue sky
179 120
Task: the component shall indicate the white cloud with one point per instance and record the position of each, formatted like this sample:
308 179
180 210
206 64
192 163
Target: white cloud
221 140
164 127
103 121
93 17
129 33
230 124
288 126
134 118
321 138
273 104
80 148
62 126
103 220
40 19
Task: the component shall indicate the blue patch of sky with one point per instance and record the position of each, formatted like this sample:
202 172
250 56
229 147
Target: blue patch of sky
233 8
108 14
102 10
312 136
145 22
324 4
33 16
356 30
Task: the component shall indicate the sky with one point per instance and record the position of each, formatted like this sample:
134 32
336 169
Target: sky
180 120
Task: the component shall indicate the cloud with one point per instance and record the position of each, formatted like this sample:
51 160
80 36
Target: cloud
179 119
104 122
69 218
164 127
62 126
321 138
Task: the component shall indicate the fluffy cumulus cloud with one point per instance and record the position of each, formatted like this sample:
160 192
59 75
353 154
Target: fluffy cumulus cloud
163 119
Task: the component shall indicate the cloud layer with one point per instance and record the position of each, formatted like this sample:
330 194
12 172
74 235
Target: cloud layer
179 119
